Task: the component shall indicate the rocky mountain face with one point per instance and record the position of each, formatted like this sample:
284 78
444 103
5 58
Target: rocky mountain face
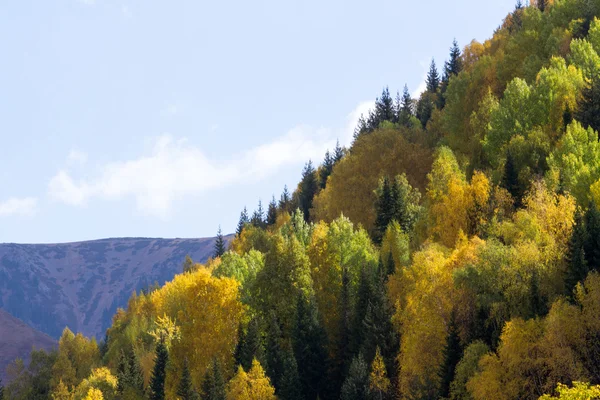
81 285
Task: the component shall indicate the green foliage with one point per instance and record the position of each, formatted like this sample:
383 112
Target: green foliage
219 245
433 78
466 368
213 385
244 220
159 372
307 189
356 385
185 390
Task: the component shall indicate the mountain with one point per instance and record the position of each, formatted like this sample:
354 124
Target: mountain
17 338
81 285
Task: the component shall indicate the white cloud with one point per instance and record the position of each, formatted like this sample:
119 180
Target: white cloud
423 85
14 206
77 157
174 168
352 120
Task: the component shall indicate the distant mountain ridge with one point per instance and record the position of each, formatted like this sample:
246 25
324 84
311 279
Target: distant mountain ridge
81 284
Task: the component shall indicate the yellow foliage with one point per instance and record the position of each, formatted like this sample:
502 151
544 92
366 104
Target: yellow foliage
579 391
254 385
101 380
94 394
378 380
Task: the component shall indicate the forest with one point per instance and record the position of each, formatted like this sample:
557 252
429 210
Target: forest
451 252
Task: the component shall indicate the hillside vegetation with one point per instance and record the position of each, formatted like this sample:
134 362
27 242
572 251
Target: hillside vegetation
452 252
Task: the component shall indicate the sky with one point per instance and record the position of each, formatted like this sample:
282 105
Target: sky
156 118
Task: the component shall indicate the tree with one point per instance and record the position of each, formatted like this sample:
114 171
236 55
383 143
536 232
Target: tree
219 244
384 207
425 107
242 222
405 108
1 390
290 386
589 103
356 385
285 200
592 245
384 107
433 78
510 179
452 355
253 385
541 4
577 267
185 390
309 349
579 391
248 346
213 385
159 372
272 212
379 384
308 188
326 169
338 153
188 264
258 217
454 65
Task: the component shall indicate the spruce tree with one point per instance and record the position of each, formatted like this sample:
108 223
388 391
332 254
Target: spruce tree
405 110
309 341
538 303
136 379
258 217
326 169
345 329
356 384
123 373
361 127
248 346
338 153
425 107
273 352
452 355
454 65
384 107
517 17
363 299
285 200
592 245
290 387
159 373
589 104
272 212
510 179
433 78
219 244
577 267
308 189
242 222
383 209
185 390
213 385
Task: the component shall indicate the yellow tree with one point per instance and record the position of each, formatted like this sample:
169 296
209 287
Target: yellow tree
254 385
94 394
378 380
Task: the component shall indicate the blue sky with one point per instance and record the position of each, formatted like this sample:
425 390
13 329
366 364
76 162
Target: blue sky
164 118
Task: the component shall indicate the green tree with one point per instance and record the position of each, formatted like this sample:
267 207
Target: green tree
242 222
285 200
356 384
452 355
454 65
213 385
307 189
510 179
219 244
249 345
185 390
577 267
592 245
433 78
384 107
405 108
272 212
290 386
338 153
258 217
589 103
159 372
326 169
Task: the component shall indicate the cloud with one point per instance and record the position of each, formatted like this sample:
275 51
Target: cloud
423 85
26 207
174 168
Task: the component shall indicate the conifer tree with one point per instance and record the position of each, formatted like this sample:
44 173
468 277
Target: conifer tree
213 385
405 110
592 246
537 300
248 346
307 190
363 299
185 390
159 372
452 355
433 78
290 387
123 373
384 107
510 179
326 169
454 65
361 128
258 217
425 107
589 104
391 265
272 212
242 222
383 209
345 333
356 384
309 349
273 353
517 17
541 4
338 153
577 267
285 200
219 244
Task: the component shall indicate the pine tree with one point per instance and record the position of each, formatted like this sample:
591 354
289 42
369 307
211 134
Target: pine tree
326 169
289 383
123 373
433 78
243 221
589 104
452 355
219 244
361 127
517 17
425 107
248 346
537 301
510 179
258 217
356 384
213 385
384 107
285 200
185 390
159 373
405 109
592 246
383 209
309 343
577 267
454 65
338 153
363 299
272 213
308 189
273 352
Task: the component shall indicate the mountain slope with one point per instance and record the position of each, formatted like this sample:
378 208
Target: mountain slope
17 340
81 285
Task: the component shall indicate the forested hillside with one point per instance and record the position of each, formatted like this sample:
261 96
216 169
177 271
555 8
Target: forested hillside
452 252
